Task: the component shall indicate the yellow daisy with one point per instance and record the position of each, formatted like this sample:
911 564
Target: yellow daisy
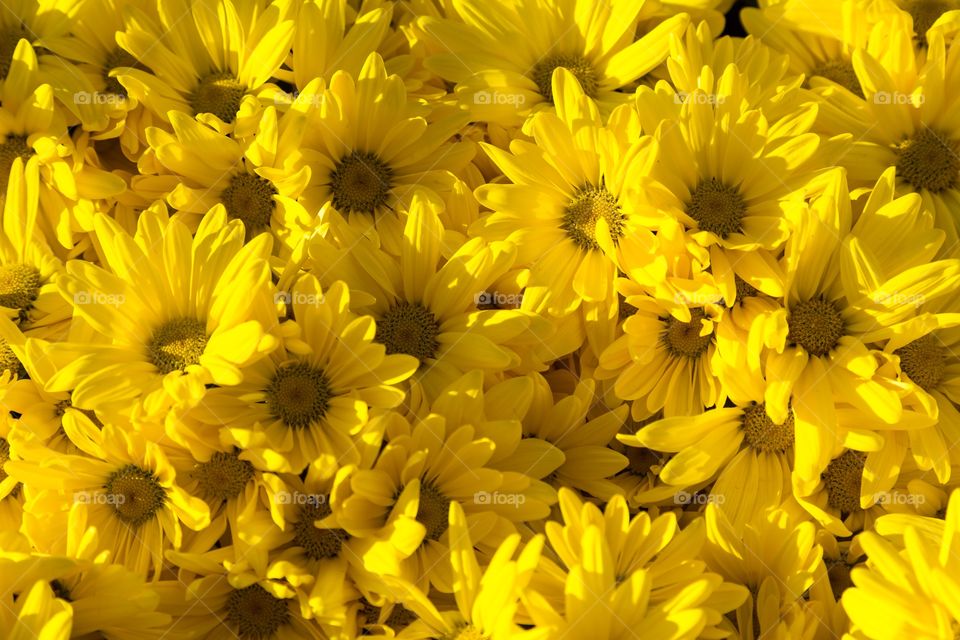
369 147
773 555
908 587
32 128
663 360
128 487
905 121
165 315
747 456
572 195
29 271
623 574
416 477
254 181
505 84
425 301
206 59
486 601
822 351
308 399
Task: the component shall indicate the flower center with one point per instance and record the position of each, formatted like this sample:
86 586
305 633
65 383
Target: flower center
434 511
717 208
683 338
579 66
763 434
924 14
400 618
842 478
841 72
118 58
19 287
816 325
4 457
317 543
60 590
838 572
177 344
9 360
218 93
299 394
928 161
744 289
223 476
409 328
135 494
589 204
9 39
360 182
255 613
924 360
249 198
641 460
12 148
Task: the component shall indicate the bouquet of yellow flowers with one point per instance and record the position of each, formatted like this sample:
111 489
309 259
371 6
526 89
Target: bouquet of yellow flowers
479 319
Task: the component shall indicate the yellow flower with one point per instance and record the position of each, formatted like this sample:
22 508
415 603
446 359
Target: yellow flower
624 574
567 217
126 484
822 352
370 148
29 271
254 181
426 301
908 588
33 129
308 399
505 84
206 59
663 359
486 600
167 314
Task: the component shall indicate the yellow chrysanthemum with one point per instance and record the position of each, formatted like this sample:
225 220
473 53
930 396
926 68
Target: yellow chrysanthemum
306 401
504 84
624 574
572 195
908 587
208 59
823 342
34 129
426 302
486 601
254 181
129 488
905 121
166 315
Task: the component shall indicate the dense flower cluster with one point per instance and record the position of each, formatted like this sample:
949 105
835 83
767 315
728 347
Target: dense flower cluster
479 320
